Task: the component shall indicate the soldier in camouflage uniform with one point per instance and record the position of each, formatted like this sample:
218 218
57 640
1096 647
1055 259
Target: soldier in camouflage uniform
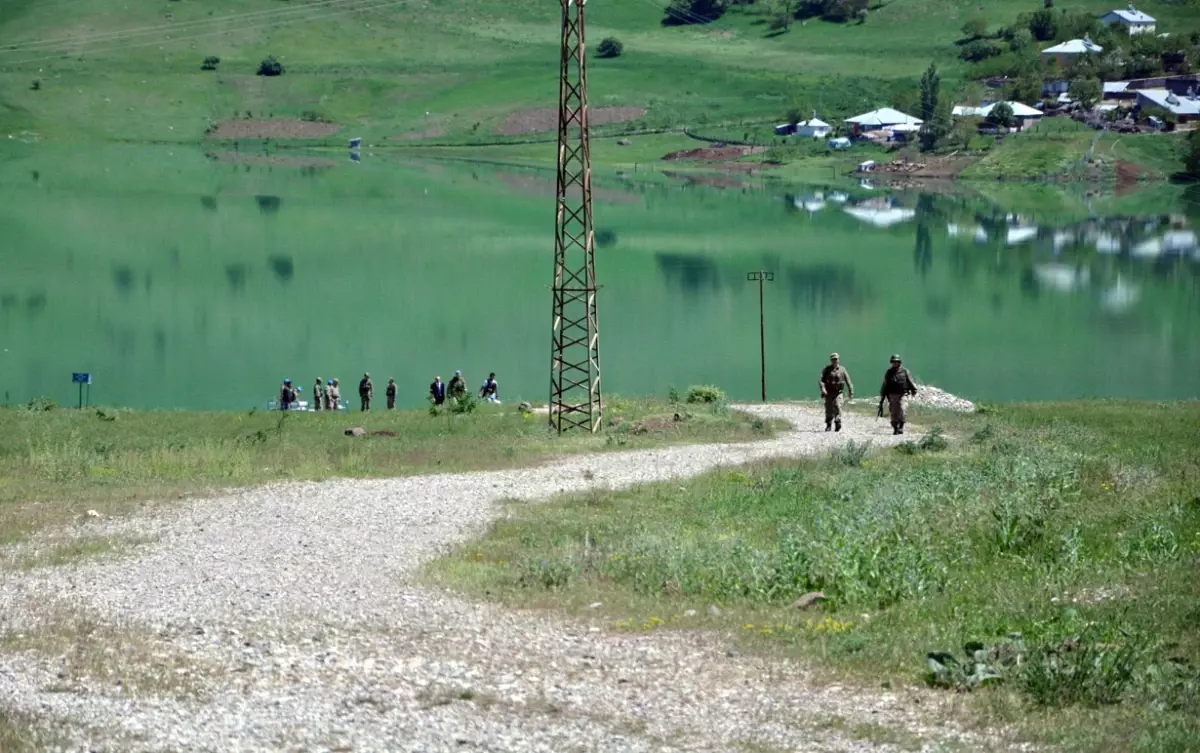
335 395
897 383
835 379
319 395
391 393
366 391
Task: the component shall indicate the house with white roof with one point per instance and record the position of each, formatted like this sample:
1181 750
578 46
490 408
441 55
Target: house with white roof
1134 20
1024 114
885 118
1185 107
814 128
1071 50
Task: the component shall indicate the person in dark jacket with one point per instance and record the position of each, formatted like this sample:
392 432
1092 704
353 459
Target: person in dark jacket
390 392
897 384
437 391
287 395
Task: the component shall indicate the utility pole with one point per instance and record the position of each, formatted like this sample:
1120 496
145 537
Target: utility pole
762 276
575 346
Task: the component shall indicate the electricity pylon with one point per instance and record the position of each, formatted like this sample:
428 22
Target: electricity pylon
575 351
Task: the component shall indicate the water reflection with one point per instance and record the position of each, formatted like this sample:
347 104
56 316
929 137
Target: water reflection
418 269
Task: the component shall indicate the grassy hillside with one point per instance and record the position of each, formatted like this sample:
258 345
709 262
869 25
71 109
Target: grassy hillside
452 70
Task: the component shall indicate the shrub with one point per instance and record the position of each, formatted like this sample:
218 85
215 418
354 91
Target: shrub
39 404
980 49
36 85
210 63
976 28
610 47
1043 25
850 454
705 393
270 67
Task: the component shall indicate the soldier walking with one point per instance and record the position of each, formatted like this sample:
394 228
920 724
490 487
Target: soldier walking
391 394
319 395
366 391
458 386
897 383
835 379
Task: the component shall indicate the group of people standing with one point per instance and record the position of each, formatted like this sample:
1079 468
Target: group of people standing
897 384
457 389
328 395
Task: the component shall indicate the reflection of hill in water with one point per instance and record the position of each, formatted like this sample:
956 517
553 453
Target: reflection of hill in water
159 274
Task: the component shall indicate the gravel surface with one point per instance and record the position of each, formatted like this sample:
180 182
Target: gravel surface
287 618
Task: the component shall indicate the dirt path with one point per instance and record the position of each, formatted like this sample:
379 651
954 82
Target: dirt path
288 618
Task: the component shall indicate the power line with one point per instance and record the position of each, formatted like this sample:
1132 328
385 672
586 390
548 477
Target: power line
170 40
184 25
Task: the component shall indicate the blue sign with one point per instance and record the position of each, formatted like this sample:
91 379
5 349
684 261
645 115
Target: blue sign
81 378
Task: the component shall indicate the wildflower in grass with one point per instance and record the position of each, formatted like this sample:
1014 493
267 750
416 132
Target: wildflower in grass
747 626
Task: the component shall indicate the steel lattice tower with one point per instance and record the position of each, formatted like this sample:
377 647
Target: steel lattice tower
575 351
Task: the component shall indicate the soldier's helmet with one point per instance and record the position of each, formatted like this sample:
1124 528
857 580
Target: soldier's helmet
833 356
318 380
895 358
366 375
287 381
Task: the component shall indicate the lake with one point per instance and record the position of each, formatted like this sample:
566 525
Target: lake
185 280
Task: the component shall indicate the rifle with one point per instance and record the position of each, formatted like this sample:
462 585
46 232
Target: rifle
879 413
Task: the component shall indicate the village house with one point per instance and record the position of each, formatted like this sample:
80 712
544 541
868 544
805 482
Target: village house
814 128
883 119
1185 107
1071 50
1134 20
1026 116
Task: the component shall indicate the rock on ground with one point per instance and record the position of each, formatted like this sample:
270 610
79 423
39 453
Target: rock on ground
287 618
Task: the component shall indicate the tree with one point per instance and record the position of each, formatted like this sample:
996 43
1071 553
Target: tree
976 28
270 67
930 91
1048 4
934 130
610 47
1086 91
1020 39
1043 25
1191 160
1002 115
210 63
682 12
1026 89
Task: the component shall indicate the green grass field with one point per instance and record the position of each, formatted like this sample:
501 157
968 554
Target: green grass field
391 70
1060 541
57 464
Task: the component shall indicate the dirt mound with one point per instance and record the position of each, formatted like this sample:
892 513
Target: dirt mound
538 119
714 153
1128 175
272 129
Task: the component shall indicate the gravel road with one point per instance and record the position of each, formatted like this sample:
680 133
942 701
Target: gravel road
286 618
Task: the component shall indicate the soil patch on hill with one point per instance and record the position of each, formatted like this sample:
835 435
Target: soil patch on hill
272 129
714 153
540 119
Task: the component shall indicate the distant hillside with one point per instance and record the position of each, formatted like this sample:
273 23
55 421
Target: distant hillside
454 70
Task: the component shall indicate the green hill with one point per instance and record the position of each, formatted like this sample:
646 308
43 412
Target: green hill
394 71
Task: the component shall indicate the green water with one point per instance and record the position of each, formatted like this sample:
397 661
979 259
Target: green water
182 281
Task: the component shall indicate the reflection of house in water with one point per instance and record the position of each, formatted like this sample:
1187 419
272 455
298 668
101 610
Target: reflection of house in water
1017 235
1120 296
880 213
1061 278
813 202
